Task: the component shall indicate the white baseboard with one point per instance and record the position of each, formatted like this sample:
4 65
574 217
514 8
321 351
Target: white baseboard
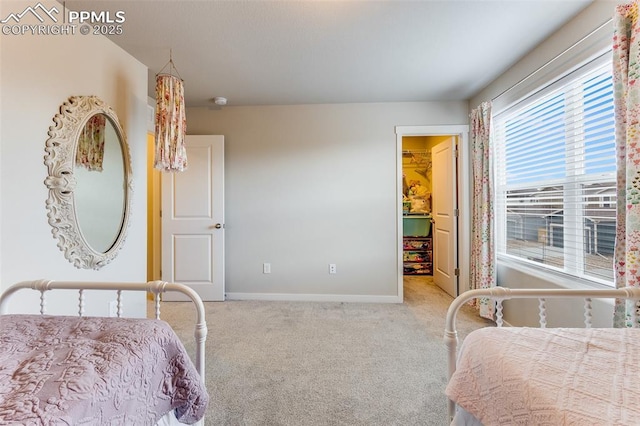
290 297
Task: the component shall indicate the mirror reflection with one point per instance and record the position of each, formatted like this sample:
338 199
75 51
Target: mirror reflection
99 196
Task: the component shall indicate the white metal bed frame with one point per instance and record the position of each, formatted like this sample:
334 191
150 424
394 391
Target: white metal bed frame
157 288
499 294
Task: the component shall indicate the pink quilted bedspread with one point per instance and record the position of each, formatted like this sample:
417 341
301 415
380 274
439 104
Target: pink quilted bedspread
555 376
94 371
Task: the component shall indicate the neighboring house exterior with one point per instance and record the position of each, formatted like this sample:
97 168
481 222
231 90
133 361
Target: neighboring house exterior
537 215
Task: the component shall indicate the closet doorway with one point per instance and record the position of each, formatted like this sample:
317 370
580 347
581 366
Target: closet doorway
432 168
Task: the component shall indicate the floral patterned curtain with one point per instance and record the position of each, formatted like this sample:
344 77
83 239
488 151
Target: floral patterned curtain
90 152
171 124
482 226
626 70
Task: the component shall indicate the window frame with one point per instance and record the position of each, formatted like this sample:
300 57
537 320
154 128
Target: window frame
573 183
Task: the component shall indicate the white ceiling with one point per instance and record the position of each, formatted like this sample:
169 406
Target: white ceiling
299 52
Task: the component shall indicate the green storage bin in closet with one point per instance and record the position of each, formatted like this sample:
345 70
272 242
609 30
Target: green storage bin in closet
416 225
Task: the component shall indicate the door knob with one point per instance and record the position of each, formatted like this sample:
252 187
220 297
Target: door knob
217 226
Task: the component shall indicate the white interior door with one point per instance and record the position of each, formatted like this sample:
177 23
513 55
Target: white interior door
193 220
444 228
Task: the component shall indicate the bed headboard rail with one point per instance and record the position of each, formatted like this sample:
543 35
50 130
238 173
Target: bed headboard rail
500 294
157 288
542 312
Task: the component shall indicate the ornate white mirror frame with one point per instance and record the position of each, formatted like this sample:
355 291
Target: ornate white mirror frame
60 159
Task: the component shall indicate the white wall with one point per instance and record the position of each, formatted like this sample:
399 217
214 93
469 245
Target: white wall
542 57
310 185
37 74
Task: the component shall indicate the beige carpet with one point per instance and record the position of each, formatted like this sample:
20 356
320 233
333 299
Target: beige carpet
317 363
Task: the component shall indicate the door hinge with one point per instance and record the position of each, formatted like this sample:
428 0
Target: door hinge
160 213
456 272
456 212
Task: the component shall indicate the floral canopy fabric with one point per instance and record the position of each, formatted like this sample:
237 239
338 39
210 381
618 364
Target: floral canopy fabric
90 152
171 124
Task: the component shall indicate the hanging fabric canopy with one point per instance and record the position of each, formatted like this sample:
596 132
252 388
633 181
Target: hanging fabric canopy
90 152
171 124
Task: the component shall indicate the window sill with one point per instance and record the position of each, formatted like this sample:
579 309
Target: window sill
544 278
561 312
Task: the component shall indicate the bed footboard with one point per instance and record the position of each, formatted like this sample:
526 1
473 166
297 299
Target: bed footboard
499 294
157 288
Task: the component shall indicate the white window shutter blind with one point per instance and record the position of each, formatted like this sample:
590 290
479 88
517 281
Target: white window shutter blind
555 176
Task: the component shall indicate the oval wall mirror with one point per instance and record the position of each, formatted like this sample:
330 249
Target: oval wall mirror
89 182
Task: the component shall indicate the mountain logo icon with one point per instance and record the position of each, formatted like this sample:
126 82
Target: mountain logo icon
39 11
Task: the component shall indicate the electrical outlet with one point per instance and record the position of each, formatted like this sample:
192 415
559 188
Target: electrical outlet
332 268
113 308
266 268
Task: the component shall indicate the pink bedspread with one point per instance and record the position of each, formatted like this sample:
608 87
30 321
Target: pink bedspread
94 371
529 376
